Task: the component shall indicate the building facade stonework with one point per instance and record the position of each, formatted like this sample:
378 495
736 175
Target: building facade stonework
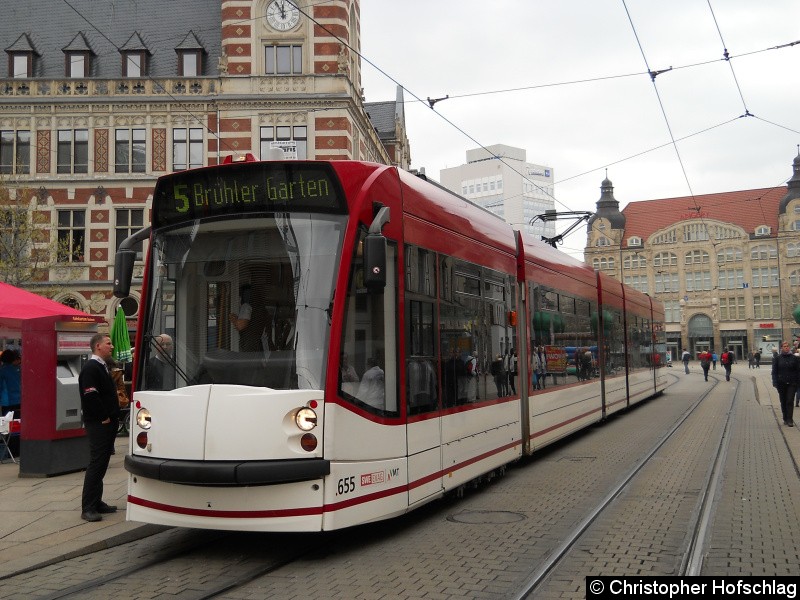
98 99
726 266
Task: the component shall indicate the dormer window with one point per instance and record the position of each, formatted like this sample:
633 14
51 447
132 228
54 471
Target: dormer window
189 63
762 230
20 65
135 55
133 64
78 57
634 241
21 56
190 56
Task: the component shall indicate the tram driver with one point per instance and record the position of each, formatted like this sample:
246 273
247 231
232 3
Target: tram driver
160 374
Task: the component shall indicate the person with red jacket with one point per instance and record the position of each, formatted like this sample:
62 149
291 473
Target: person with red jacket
705 362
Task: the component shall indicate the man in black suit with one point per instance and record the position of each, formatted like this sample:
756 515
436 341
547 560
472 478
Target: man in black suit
100 409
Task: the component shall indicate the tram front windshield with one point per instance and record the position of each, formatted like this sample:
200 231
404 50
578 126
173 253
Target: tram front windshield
242 301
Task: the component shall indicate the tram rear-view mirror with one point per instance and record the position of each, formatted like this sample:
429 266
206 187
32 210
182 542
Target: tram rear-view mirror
123 272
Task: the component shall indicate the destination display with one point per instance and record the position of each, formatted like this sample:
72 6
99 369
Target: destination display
246 188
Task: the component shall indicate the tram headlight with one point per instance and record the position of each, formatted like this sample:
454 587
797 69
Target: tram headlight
143 418
305 419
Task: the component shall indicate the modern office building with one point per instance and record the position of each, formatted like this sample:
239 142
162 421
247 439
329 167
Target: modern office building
726 265
499 179
97 99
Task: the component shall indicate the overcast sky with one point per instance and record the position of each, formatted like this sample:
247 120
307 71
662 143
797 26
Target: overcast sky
477 52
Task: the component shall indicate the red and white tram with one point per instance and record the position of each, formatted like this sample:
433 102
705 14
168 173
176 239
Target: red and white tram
323 344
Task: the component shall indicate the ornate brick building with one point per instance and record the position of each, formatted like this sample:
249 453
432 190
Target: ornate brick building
726 266
97 99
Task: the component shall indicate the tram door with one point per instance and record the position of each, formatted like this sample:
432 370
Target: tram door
423 427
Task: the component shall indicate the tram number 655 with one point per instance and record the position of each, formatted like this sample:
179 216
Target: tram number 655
346 485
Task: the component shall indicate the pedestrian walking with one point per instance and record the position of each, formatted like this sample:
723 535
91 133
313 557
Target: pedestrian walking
705 363
727 362
685 358
786 378
100 407
714 359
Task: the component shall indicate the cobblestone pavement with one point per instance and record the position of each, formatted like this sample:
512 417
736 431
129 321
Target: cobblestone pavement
485 545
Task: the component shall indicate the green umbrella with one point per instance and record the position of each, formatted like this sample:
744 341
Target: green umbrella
120 338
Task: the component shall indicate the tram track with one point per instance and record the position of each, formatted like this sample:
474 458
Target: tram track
234 555
691 562
237 565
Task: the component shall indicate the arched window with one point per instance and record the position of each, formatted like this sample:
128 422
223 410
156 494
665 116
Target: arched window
696 257
634 261
665 259
762 230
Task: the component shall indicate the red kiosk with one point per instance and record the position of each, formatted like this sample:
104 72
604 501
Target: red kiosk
55 343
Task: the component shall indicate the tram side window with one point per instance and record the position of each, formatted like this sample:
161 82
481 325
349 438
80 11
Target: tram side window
639 343
368 356
565 338
477 347
422 382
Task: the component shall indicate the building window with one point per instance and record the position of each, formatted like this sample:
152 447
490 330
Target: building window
130 150
668 237
187 148
794 225
285 133
129 221
763 252
190 63
20 65
730 279
672 311
15 152
71 235
73 151
726 233
696 257
638 282
134 64
602 241
729 255
794 279
283 60
731 309
762 230
605 264
766 307
77 65
793 250
666 282
634 261
665 259
698 281
695 232
765 277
